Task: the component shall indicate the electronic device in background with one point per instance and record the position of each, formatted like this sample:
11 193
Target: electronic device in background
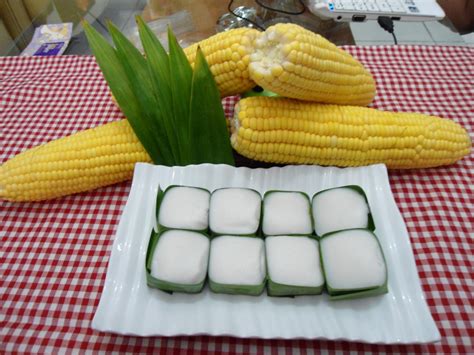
362 10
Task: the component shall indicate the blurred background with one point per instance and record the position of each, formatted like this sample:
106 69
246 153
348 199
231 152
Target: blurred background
194 20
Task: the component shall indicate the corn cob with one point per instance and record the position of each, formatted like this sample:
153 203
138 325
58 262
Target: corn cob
86 160
279 130
227 54
296 63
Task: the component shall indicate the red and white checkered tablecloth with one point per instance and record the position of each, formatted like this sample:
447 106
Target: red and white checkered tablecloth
54 255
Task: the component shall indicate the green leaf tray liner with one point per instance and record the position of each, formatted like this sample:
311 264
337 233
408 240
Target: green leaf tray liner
289 234
257 233
345 294
275 289
249 290
159 199
232 289
163 285
359 190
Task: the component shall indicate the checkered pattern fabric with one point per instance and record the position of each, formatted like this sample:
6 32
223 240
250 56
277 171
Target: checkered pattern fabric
54 255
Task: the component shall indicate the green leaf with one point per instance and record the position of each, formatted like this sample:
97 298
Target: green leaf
159 75
348 294
181 75
250 290
151 249
360 294
136 69
308 211
170 287
209 139
154 93
161 196
370 220
276 289
119 84
163 285
255 234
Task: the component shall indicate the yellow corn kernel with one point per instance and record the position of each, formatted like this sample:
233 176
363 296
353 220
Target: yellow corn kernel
296 63
86 160
296 131
227 54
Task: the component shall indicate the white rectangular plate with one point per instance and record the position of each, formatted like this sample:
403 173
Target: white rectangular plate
129 306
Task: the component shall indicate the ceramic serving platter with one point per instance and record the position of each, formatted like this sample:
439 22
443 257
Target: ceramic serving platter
129 306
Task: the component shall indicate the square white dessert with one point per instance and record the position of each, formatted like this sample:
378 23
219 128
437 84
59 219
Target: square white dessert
235 211
286 212
237 260
294 261
338 209
181 257
352 260
185 208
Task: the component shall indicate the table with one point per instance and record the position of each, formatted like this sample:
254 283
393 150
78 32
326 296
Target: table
54 255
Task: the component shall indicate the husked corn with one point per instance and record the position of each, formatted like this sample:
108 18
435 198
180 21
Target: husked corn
285 131
296 63
86 160
228 56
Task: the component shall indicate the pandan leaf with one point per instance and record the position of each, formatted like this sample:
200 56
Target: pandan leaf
159 75
255 234
348 294
165 286
119 84
181 75
360 294
209 137
370 220
150 250
310 234
276 289
250 290
136 69
159 199
170 287
149 254
154 93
